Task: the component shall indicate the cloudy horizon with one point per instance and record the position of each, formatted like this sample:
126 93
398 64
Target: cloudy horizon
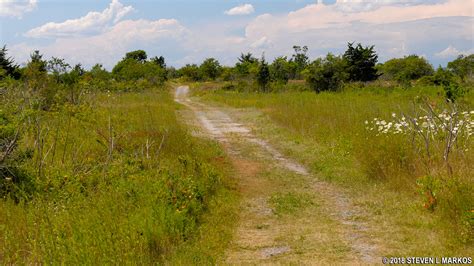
90 32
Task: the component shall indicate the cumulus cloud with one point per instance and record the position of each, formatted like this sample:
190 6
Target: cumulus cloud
321 15
109 46
451 52
367 5
261 43
93 22
16 8
240 10
396 29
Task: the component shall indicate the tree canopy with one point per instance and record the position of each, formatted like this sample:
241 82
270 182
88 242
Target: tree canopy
327 74
138 55
210 68
406 69
263 74
463 66
8 65
361 62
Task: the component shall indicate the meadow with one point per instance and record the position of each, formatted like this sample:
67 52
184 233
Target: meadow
420 202
115 178
104 167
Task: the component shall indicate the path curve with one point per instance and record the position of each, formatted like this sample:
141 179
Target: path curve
221 126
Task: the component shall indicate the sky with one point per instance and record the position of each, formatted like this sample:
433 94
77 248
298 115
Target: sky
188 31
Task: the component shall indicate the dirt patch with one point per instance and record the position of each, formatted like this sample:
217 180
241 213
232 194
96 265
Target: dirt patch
274 251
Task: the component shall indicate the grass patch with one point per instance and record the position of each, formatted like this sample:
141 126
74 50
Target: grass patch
290 202
114 180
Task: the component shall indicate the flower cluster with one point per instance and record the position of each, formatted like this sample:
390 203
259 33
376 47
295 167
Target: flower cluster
433 124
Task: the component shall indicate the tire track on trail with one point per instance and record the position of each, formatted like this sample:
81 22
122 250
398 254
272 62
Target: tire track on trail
263 236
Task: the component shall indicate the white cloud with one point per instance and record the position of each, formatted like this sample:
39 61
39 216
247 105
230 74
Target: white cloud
395 29
16 8
321 16
93 22
451 52
367 5
240 10
261 43
109 46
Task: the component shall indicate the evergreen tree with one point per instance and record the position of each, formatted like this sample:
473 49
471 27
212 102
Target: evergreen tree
263 75
361 62
8 65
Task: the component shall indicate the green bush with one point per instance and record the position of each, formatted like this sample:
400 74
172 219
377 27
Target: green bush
326 74
404 70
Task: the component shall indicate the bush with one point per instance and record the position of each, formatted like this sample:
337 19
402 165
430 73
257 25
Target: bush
190 72
463 66
14 181
326 74
131 69
210 69
280 70
404 70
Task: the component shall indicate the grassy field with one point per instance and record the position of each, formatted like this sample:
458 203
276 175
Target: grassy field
419 205
113 180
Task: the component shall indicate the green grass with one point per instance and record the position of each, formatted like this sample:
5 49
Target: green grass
157 195
289 203
386 175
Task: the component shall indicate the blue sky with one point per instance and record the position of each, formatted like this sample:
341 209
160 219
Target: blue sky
187 31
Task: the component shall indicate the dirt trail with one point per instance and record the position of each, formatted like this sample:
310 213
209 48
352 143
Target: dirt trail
323 228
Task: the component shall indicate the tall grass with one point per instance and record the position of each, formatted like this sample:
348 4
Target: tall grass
116 179
341 148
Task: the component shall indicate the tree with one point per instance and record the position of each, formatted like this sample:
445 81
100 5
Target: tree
361 62
228 74
36 61
446 79
132 69
280 69
35 71
463 66
327 74
57 67
210 68
299 60
99 72
138 55
247 58
171 73
38 82
406 69
71 80
263 74
190 72
8 65
246 63
159 61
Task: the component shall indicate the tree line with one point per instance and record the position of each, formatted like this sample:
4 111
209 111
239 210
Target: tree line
329 73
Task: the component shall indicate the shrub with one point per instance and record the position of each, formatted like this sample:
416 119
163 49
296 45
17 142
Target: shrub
280 70
404 70
14 181
463 66
210 69
326 74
